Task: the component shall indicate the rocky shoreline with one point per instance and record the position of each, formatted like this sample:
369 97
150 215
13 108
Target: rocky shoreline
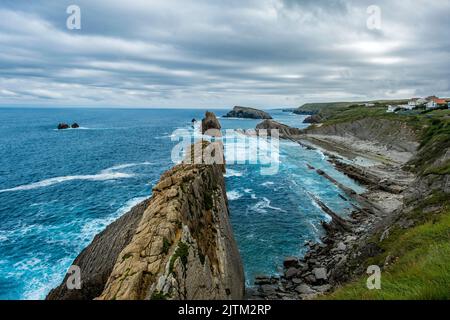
339 256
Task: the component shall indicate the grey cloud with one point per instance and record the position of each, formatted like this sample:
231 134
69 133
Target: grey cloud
206 53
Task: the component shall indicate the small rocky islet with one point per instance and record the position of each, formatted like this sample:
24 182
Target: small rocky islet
63 126
247 113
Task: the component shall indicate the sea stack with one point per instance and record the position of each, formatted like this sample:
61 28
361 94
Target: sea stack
210 122
63 126
248 113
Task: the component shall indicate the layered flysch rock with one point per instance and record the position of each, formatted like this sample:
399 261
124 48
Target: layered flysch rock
182 246
250 113
284 131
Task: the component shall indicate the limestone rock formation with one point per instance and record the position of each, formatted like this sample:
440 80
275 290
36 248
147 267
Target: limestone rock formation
183 248
250 113
284 130
315 118
210 122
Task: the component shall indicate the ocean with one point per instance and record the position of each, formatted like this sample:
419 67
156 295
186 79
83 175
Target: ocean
59 188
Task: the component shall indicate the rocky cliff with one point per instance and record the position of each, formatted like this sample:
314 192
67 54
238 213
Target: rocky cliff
250 113
284 130
395 134
210 122
179 244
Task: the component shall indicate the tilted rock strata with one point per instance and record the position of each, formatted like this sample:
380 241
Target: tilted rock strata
283 130
245 112
183 247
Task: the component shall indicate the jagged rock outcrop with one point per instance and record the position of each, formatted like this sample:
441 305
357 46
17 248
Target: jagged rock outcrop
315 118
183 247
245 112
394 134
75 125
63 126
178 244
284 130
210 122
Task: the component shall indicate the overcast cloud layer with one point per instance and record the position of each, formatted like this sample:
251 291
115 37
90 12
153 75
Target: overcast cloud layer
262 53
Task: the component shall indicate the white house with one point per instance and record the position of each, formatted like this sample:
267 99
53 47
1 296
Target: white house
435 102
431 104
391 108
413 103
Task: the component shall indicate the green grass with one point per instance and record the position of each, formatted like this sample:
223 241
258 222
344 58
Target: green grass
421 267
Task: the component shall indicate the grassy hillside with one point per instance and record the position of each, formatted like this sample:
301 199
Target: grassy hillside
317 107
419 256
420 267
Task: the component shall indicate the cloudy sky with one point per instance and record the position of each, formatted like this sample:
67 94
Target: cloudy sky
206 53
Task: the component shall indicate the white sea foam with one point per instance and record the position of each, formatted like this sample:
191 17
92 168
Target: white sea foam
267 183
95 226
104 175
234 195
264 204
233 173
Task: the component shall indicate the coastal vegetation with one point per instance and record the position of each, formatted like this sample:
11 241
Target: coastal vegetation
415 257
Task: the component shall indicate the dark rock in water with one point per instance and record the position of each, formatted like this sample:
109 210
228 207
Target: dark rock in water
315 118
63 126
97 260
290 262
283 130
210 122
261 280
75 125
249 113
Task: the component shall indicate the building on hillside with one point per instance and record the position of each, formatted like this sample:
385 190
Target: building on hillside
413 102
391 108
368 104
407 106
435 102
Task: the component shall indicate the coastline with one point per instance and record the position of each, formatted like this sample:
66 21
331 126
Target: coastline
338 258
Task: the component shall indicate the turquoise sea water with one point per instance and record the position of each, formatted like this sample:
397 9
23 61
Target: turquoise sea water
58 189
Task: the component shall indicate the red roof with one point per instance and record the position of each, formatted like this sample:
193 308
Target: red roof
439 101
